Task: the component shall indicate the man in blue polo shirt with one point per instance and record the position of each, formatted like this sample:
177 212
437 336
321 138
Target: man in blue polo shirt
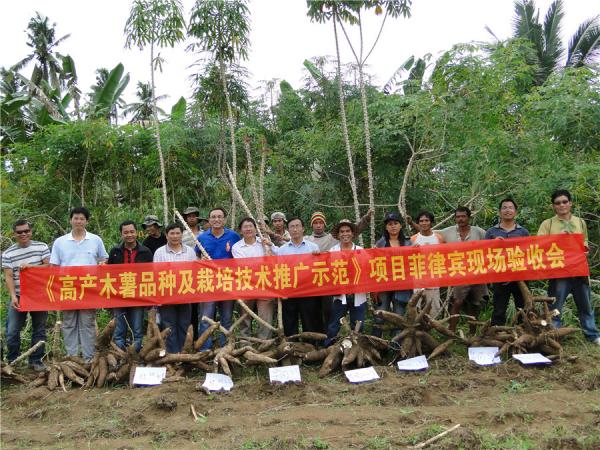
217 241
507 228
79 248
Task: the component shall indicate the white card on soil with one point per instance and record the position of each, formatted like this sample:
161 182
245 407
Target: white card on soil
484 356
218 382
361 375
416 363
285 374
149 376
532 358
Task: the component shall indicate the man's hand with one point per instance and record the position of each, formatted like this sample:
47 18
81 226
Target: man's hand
14 301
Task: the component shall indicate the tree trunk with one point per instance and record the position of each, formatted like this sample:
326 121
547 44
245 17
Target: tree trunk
163 178
231 136
345 125
363 98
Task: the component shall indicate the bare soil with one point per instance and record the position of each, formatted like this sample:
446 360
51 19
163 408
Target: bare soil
506 406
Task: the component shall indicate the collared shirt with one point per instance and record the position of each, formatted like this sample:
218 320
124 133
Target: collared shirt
325 241
289 248
218 247
15 256
66 251
497 231
359 298
556 225
452 234
167 254
243 250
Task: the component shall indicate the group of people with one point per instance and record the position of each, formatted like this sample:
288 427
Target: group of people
280 237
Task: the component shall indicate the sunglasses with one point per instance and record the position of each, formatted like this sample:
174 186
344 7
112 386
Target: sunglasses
22 231
562 202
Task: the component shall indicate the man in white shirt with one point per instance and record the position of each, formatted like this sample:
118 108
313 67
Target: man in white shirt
251 246
307 308
175 316
79 248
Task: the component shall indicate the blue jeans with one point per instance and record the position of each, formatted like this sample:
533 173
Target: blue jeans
129 318
15 323
209 309
339 310
178 318
397 300
578 286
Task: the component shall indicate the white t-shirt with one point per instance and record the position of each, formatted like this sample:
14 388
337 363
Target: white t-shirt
359 298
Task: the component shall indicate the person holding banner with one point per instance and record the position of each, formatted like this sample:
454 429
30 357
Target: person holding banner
355 304
22 255
426 236
506 228
559 288
129 251
79 248
470 295
307 308
251 246
218 241
394 301
177 317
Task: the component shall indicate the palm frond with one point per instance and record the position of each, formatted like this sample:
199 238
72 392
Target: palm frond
525 19
553 47
584 45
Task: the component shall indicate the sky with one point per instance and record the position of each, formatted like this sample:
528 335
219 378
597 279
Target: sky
282 36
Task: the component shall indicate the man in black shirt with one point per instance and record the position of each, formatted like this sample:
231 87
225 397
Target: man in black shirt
156 238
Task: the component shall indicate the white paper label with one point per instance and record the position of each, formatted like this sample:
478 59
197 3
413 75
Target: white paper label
417 363
362 375
484 356
285 374
149 376
218 382
532 358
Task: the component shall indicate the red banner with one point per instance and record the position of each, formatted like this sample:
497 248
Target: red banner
373 270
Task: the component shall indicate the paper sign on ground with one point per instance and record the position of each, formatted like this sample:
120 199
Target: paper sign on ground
484 356
285 374
361 375
149 376
416 363
218 382
532 358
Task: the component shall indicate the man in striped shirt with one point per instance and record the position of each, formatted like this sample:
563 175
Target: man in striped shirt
22 255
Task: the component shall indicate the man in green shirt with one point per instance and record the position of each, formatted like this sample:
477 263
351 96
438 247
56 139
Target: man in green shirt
560 288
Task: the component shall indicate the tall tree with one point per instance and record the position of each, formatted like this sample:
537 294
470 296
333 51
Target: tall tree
41 37
222 28
583 47
393 8
157 23
333 10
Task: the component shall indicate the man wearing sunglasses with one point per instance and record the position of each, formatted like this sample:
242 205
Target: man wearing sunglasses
22 255
560 288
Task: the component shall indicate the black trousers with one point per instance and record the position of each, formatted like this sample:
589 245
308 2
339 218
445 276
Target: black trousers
502 292
308 309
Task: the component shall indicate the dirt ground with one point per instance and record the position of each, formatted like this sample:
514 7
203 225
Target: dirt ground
506 406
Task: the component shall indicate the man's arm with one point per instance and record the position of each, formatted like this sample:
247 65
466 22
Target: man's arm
363 223
10 284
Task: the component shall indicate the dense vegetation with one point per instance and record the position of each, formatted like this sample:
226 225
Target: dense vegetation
481 122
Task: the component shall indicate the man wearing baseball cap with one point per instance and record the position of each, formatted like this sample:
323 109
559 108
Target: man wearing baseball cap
192 218
156 237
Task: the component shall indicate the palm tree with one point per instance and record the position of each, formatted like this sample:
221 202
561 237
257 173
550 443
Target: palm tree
545 37
41 38
105 98
142 110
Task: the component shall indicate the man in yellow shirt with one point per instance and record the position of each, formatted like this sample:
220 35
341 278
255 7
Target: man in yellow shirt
560 288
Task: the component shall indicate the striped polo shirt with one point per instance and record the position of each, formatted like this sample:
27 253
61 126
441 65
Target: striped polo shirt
15 256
